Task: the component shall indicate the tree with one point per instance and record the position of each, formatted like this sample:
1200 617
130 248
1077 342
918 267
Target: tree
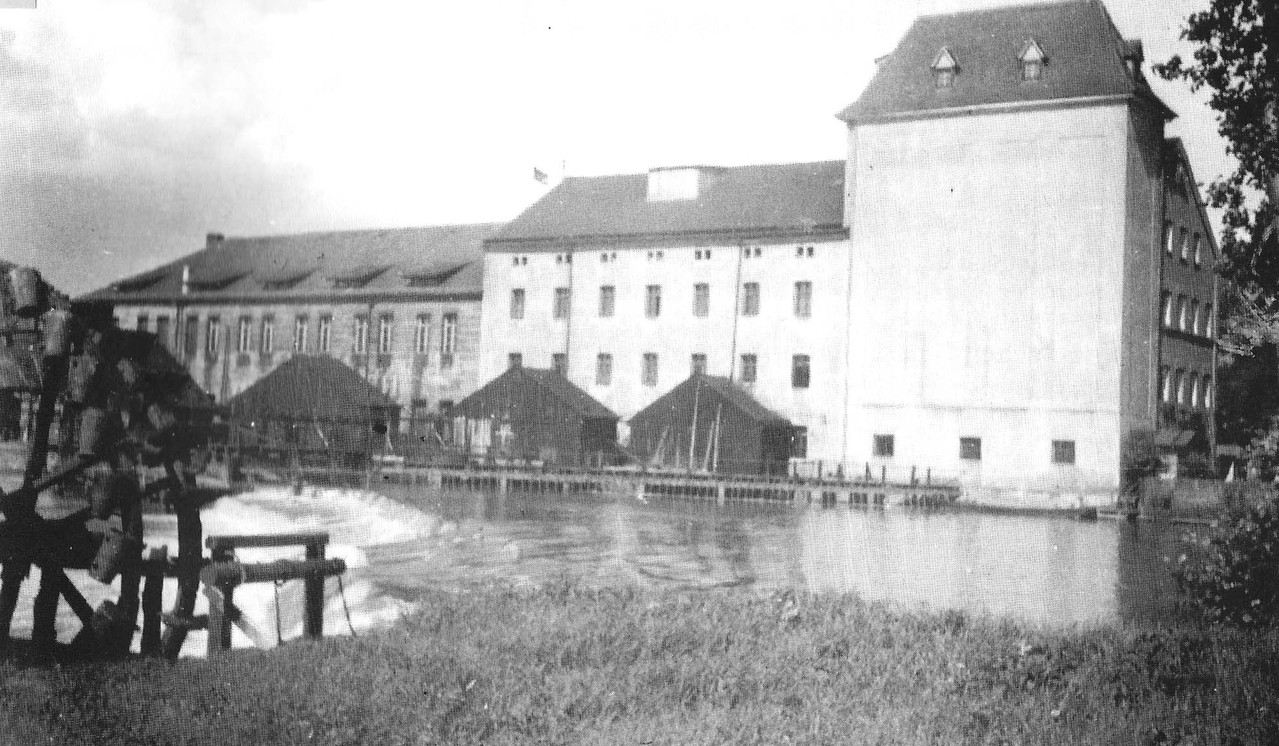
1237 45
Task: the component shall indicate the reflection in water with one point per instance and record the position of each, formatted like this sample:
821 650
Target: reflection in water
1037 569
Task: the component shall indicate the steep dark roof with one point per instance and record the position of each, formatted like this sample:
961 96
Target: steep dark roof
723 389
308 387
549 381
319 265
742 201
1085 58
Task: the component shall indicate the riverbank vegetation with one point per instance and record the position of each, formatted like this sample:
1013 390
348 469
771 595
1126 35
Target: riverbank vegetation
567 664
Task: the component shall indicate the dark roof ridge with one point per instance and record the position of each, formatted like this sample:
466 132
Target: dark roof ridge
345 231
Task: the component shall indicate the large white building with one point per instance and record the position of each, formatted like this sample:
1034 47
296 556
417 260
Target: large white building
975 290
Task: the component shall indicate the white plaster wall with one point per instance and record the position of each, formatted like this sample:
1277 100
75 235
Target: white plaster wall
676 334
987 296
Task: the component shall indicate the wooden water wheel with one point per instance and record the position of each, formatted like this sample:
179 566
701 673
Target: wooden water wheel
112 420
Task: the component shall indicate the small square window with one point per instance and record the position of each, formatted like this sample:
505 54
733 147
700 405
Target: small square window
799 442
698 363
514 360
1063 451
970 449
884 446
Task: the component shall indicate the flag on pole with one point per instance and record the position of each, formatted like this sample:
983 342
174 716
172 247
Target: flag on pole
540 175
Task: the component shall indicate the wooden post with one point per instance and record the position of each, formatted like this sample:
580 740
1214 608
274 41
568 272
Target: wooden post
45 610
219 625
152 600
314 620
883 474
190 556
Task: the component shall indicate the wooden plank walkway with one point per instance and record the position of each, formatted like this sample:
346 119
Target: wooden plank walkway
642 484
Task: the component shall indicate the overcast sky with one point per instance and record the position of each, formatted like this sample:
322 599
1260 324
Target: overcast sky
129 129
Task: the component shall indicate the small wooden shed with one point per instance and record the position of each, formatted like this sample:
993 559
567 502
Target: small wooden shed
529 414
317 407
709 423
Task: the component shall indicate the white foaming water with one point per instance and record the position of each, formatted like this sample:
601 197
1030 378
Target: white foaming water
354 519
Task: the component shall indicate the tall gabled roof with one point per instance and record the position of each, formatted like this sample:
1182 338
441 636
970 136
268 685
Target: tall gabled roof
549 382
1085 59
309 387
714 387
738 202
318 265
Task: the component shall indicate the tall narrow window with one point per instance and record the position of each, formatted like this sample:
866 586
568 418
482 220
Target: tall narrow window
1181 388
799 442
563 302
1183 240
559 363
144 322
268 335
385 327
1208 322
1165 385
213 337
701 299
803 299
648 375
799 371
970 449
448 339
1197 249
517 303
422 333
191 337
514 360
608 296
1170 237
1194 390
884 445
603 369
750 299
244 335
1183 311
698 363
299 334
163 331
325 334
361 334
653 301
749 363
1194 317
1207 393
1166 297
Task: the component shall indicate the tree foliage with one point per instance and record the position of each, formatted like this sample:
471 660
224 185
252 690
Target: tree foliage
1235 59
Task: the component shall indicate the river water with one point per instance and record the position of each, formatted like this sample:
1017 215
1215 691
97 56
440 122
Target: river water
401 540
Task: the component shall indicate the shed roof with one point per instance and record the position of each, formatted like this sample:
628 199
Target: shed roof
1085 57
308 387
719 387
791 198
548 381
442 260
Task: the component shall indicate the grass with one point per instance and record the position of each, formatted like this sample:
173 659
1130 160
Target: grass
567 664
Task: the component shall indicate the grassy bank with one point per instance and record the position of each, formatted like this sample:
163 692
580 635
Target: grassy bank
563 664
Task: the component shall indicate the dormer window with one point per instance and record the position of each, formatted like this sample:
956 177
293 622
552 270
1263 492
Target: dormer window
1033 61
944 69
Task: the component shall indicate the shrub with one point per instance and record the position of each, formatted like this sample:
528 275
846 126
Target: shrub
1235 580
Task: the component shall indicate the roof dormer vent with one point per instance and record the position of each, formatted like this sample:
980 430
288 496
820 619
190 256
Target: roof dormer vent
1033 61
944 69
1134 55
675 183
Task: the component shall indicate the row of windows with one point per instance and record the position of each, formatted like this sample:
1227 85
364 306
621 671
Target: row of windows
1188 389
750 300
1185 314
301 341
1179 242
884 446
748 252
801 367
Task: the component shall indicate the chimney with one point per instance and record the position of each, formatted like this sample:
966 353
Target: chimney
213 240
1134 55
